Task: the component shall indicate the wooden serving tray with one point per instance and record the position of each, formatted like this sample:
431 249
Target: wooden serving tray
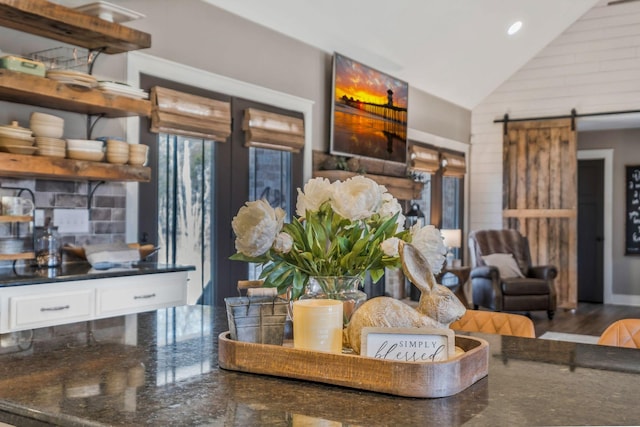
409 379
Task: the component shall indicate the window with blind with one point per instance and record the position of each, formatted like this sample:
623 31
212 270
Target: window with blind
202 176
442 197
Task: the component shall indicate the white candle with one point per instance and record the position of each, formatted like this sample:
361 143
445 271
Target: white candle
317 325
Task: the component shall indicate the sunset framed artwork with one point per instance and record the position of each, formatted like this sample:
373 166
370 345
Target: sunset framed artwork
369 112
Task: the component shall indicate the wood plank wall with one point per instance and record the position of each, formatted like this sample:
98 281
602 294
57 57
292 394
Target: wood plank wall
593 66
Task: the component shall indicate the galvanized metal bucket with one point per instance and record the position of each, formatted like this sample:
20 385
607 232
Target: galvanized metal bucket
257 319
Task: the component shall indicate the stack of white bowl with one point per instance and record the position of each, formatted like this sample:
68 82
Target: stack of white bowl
85 149
117 151
13 137
11 246
48 130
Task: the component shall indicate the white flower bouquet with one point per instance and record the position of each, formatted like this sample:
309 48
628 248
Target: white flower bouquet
344 228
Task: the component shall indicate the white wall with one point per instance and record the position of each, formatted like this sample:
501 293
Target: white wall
594 66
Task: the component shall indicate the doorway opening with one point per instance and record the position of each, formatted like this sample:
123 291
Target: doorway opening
595 167
590 230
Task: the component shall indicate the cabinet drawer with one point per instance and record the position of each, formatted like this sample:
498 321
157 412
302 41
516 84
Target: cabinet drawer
36 311
118 300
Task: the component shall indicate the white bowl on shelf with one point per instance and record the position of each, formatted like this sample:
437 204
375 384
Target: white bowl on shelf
47 129
85 145
117 158
109 12
90 155
23 142
18 149
138 154
117 147
52 152
43 118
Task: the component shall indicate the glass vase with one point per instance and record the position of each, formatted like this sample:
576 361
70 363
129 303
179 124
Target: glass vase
343 288
48 248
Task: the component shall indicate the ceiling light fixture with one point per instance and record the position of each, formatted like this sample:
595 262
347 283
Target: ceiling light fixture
514 28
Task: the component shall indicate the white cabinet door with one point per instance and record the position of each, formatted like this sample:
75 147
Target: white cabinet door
54 308
155 292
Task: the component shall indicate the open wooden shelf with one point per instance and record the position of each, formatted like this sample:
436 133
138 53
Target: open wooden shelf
400 188
67 25
16 218
46 19
40 91
40 167
22 255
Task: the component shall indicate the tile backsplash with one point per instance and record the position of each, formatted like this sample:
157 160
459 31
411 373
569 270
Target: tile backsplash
106 214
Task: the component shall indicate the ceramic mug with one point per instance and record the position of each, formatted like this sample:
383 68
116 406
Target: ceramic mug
16 206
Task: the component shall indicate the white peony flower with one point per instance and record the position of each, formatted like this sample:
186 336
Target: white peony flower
428 241
390 246
316 192
283 243
256 226
391 206
356 198
280 215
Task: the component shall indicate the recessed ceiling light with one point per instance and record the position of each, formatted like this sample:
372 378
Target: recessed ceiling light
514 28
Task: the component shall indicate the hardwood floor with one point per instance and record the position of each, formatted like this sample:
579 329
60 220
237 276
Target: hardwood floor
587 319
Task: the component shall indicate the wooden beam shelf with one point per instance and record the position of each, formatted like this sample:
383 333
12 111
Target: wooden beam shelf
400 188
22 255
50 20
40 91
67 25
40 167
16 218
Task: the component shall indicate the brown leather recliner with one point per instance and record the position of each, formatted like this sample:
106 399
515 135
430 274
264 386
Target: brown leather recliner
534 291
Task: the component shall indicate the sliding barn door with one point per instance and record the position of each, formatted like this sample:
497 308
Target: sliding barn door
540 196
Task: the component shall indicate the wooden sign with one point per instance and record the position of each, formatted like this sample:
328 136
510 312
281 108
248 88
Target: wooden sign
408 344
632 231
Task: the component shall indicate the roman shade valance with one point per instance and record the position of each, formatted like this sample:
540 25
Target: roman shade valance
453 165
182 113
263 129
423 159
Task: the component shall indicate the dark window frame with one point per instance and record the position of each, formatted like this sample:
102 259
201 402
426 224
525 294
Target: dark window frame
230 186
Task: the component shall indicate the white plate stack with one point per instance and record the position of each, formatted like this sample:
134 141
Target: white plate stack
122 89
51 147
15 139
73 78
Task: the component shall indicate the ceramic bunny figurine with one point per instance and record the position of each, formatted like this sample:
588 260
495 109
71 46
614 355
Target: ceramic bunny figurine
438 306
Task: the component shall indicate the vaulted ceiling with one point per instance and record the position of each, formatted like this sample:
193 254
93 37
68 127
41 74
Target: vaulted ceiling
457 50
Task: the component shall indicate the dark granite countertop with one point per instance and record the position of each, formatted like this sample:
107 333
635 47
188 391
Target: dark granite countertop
160 368
70 271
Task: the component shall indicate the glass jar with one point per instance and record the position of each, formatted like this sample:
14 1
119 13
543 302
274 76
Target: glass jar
48 248
344 288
